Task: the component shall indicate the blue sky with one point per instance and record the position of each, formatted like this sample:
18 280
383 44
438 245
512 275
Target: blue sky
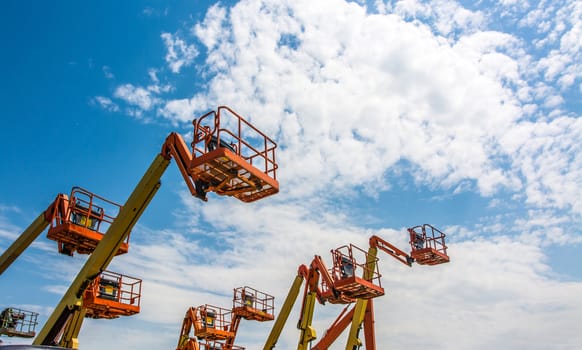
465 115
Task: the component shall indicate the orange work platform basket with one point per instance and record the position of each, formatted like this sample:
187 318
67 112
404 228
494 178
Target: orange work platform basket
232 157
355 275
252 304
79 222
111 295
213 323
428 245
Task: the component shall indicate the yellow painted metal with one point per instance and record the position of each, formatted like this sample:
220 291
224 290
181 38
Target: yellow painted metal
70 339
354 342
25 239
307 332
284 314
105 250
353 338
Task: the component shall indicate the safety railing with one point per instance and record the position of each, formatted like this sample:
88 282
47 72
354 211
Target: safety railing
427 236
18 322
91 211
251 303
352 261
121 294
225 128
212 320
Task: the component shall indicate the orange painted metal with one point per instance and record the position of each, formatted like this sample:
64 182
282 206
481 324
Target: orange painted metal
211 328
344 282
232 157
216 327
428 245
175 147
369 330
78 222
251 304
335 330
351 262
341 284
343 321
229 157
390 249
212 323
111 295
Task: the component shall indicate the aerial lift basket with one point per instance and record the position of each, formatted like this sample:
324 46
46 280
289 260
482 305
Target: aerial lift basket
79 223
428 245
111 295
252 304
356 275
213 323
18 322
232 157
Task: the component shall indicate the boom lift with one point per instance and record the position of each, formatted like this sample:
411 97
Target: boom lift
247 172
215 328
427 248
76 222
18 322
342 286
339 285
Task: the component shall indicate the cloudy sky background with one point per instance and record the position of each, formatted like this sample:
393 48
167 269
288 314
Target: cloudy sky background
387 115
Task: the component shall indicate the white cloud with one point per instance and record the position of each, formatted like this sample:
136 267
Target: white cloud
183 110
8 231
547 154
136 96
553 101
560 23
445 108
148 11
449 18
179 53
153 73
106 103
107 72
389 98
210 31
409 95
